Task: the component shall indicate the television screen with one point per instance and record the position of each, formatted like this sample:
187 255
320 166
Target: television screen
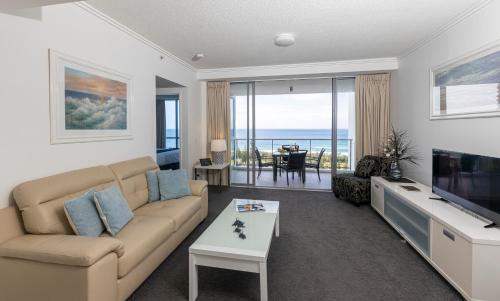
472 181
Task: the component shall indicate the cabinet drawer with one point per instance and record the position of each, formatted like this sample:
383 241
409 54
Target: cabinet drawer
377 197
453 255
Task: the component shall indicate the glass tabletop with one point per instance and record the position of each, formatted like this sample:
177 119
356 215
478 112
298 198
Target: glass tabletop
220 238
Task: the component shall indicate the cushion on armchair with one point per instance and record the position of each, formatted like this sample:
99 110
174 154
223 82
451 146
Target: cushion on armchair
364 168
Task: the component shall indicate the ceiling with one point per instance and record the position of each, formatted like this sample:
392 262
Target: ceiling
237 33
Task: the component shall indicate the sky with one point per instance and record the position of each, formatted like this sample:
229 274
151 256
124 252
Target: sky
76 80
170 114
294 111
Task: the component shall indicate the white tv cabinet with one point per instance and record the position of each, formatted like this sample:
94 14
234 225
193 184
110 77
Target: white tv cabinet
455 243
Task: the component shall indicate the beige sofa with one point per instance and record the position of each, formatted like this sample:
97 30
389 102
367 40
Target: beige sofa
41 258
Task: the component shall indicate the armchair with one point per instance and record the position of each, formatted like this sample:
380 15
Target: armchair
356 187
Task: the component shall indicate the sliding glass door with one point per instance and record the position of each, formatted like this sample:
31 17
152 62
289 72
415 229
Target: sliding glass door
242 104
294 114
312 116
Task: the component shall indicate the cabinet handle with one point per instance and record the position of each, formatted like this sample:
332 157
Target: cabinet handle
449 234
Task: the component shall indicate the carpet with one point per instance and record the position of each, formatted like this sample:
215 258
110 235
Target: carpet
328 249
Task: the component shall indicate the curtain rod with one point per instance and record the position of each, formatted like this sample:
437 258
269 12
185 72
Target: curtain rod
305 78
288 79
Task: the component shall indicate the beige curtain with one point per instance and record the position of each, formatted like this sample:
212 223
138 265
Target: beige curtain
372 113
218 118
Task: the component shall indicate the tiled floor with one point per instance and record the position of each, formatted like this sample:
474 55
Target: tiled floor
266 180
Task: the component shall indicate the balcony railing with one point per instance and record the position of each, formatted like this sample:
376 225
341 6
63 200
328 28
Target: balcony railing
239 150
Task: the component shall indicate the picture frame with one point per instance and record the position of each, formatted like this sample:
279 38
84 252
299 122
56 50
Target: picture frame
205 162
88 102
467 86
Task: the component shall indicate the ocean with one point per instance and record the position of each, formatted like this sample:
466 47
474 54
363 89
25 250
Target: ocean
308 139
272 139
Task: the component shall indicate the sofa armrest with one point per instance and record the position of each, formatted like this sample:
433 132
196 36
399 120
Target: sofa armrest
197 186
69 250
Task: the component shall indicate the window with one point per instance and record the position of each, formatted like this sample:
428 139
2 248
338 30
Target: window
171 103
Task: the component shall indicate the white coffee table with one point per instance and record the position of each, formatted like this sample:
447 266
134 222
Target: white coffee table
220 247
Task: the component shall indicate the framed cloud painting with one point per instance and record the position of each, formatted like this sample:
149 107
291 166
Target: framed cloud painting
467 87
87 102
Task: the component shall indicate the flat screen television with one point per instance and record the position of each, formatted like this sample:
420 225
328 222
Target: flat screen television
471 181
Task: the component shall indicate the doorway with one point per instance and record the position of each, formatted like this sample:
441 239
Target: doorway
168 123
270 117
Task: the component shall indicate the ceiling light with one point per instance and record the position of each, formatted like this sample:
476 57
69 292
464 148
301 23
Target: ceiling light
284 39
197 57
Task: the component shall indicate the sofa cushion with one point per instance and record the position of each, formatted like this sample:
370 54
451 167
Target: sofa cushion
41 201
113 209
179 210
131 175
83 216
141 236
173 184
153 186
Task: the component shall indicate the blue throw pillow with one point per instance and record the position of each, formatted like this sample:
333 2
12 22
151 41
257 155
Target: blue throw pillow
113 209
173 184
153 188
83 216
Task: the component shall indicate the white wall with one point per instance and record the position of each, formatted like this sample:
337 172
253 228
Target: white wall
25 151
410 94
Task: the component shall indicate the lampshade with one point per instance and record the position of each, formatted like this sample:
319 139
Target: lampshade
219 145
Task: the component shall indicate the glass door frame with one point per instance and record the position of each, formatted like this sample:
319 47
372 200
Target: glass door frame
250 133
335 92
334 130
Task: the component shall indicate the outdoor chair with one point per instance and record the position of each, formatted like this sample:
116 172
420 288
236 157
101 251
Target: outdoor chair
296 163
289 148
315 162
262 161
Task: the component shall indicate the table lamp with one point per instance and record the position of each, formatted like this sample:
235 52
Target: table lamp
218 148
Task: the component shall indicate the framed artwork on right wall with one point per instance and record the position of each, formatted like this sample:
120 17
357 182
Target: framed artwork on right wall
467 87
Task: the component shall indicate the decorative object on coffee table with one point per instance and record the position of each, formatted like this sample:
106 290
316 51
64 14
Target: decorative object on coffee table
399 148
239 225
219 149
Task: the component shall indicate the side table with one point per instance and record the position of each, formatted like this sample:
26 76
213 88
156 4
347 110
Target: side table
218 167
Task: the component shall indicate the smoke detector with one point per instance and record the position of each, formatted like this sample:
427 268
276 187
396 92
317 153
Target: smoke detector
284 39
197 57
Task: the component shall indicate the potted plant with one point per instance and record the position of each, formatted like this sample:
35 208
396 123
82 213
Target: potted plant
398 148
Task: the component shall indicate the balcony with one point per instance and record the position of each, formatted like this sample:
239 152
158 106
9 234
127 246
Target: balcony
240 161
